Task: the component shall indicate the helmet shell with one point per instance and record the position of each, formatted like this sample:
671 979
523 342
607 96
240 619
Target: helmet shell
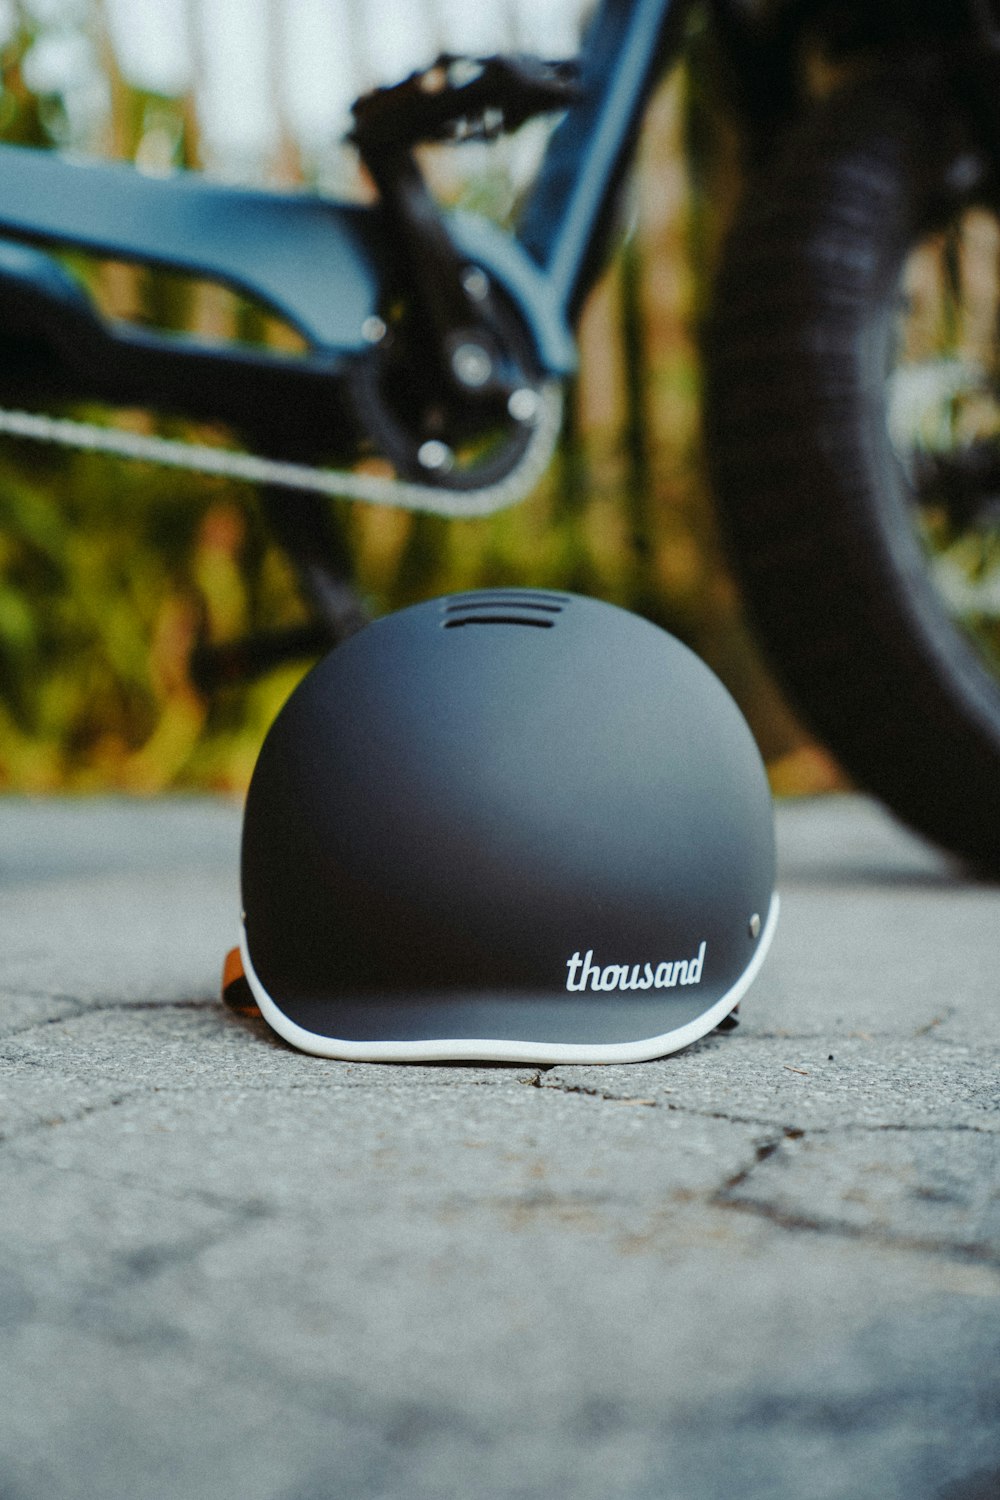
508 824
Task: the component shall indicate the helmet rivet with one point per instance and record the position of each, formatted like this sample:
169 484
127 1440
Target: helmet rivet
753 926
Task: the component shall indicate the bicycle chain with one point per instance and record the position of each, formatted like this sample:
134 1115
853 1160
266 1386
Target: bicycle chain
340 484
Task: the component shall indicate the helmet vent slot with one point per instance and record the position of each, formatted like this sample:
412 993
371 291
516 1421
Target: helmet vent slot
498 619
504 607
508 598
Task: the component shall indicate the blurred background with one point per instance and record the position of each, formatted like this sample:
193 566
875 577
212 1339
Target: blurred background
111 572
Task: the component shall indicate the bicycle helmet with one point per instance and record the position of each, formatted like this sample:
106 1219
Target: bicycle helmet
505 825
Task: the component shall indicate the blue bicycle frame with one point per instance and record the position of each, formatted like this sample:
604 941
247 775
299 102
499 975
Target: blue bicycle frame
319 265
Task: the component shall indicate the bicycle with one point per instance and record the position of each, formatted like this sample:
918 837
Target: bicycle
440 341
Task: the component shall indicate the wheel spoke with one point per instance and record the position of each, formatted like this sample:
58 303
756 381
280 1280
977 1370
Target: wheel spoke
944 417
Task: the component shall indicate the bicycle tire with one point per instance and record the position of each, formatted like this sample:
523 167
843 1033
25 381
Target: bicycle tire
812 495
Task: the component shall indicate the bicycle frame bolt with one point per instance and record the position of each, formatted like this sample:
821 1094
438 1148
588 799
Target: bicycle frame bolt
462 71
523 404
476 283
753 926
434 455
373 330
471 366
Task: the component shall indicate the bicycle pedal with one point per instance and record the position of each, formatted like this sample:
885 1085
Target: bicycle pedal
462 98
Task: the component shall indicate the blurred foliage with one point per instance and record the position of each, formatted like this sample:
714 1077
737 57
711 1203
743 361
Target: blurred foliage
111 572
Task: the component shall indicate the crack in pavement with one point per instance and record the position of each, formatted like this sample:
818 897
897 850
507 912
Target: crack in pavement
848 1126
50 1122
103 1007
724 1197
83 1008
761 1153
592 1092
95 1305
252 1207
964 1250
762 1208
762 1122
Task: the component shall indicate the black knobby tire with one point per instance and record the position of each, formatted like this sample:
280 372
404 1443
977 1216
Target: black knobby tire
814 498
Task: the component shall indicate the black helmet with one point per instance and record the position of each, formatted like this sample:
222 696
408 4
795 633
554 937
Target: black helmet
506 825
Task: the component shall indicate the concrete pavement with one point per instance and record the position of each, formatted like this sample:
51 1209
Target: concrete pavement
768 1266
